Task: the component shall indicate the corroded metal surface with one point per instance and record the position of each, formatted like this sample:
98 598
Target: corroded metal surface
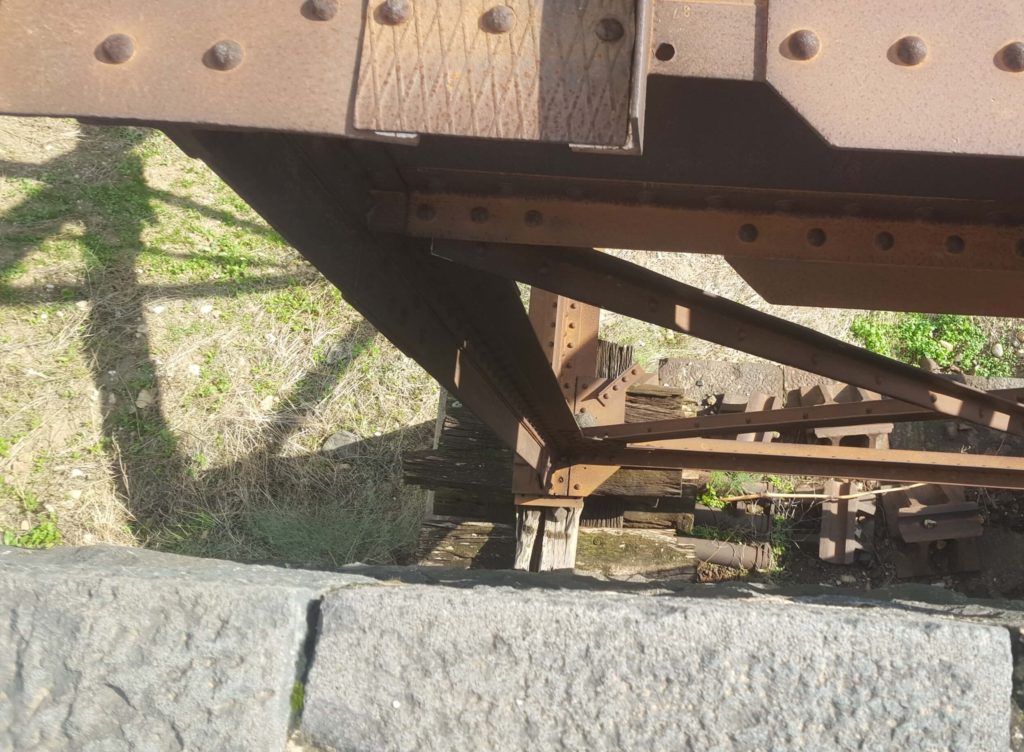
904 74
708 39
753 234
527 69
247 63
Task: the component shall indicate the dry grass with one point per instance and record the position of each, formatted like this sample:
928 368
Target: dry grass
713 274
171 368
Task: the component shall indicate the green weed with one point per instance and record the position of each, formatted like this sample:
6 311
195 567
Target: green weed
949 340
298 698
45 534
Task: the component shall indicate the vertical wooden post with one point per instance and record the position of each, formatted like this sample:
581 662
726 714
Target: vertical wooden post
546 537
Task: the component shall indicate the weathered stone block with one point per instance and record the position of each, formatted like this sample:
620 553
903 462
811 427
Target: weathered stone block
122 649
414 668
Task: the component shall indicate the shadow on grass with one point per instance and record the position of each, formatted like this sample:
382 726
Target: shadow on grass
311 509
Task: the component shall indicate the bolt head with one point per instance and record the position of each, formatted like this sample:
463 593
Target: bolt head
610 30
117 49
1012 57
803 44
911 50
394 12
322 10
498 20
225 55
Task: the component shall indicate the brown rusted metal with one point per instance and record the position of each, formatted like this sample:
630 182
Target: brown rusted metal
736 555
788 418
809 459
619 286
931 513
920 76
522 500
756 235
983 292
883 263
523 69
837 543
708 39
243 63
933 530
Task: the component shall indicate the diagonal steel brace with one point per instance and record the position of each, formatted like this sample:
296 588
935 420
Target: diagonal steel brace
616 285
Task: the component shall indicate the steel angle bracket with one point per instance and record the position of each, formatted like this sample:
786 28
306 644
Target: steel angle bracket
522 70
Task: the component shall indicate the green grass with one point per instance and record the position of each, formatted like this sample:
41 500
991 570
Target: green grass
724 484
126 266
951 341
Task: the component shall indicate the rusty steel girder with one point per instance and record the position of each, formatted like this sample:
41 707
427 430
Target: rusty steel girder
859 154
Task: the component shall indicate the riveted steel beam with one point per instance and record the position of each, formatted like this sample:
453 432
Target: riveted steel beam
632 291
236 63
758 235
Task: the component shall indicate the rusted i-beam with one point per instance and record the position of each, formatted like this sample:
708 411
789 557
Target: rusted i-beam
616 285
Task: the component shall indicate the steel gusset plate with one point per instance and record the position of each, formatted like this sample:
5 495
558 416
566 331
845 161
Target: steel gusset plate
914 75
523 69
616 285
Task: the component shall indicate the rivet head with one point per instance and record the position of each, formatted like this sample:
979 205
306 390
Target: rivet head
117 49
911 50
1012 56
225 55
394 12
426 212
803 44
322 10
498 20
610 30
479 214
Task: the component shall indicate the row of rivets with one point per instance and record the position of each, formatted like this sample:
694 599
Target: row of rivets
748 233
225 55
909 50
500 19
